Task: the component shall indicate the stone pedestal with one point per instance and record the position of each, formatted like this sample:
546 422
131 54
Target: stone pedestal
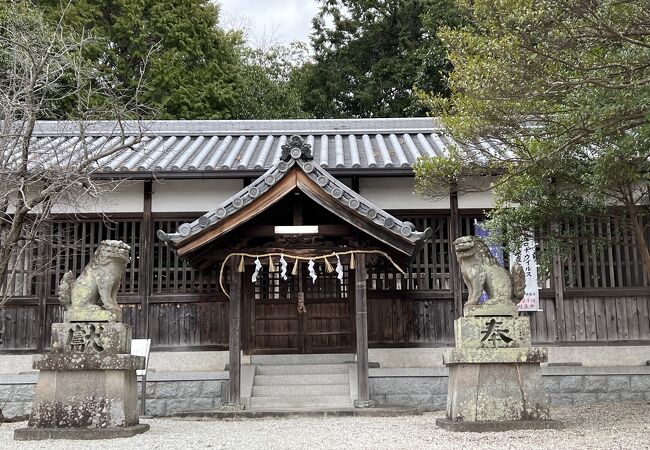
89 313
91 337
87 384
492 332
495 379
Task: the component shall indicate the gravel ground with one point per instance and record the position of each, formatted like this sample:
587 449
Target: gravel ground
620 426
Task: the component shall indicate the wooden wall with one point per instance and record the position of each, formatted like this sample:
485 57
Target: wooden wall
410 321
604 297
598 318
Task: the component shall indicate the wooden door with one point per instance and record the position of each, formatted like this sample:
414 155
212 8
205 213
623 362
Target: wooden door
277 323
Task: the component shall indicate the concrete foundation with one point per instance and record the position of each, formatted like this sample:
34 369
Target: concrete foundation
40 434
498 426
170 393
212 361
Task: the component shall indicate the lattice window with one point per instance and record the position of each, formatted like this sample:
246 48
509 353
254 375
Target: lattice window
270 287
608 259
327 286
23 269
173 275
429 269
74 243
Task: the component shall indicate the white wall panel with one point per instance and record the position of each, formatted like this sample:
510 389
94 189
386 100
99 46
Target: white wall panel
192 195
397 193
122 197
481 198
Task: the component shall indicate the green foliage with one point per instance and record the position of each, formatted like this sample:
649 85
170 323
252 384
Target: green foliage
371 56
272 82
46 74
174 47
443 174
372 61
559 90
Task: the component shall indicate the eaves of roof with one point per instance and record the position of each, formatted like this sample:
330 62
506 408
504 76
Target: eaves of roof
243 148
316 182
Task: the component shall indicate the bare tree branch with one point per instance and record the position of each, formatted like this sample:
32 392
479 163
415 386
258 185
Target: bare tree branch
41 65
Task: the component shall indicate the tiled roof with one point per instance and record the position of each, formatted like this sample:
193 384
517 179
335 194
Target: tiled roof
298 156
250 145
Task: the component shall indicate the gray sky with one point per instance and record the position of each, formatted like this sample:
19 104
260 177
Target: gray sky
278 21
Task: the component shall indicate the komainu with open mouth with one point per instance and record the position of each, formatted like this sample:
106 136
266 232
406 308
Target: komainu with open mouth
92 296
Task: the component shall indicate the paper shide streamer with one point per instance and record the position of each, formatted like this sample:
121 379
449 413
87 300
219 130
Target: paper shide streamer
283 268
296 263
339 269
258 267
312 272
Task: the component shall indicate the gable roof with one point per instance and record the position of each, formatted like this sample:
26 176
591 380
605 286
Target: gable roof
233 147
296 169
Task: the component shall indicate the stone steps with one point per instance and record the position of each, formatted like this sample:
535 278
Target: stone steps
301 381
292 380
302 401
301 390
300 369
330 358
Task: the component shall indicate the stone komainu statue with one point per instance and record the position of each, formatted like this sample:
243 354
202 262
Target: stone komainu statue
481 271
92 296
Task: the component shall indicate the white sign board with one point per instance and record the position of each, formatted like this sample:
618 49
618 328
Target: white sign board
527 259
141 347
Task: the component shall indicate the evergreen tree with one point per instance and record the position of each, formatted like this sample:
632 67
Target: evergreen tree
189 64
371 56
560 92
272 82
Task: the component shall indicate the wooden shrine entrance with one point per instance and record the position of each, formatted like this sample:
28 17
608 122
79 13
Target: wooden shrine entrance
296 209
299 315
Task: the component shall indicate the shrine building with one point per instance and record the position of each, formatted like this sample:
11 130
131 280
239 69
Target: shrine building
263 243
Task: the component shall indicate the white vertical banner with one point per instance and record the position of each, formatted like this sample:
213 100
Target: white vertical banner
527 259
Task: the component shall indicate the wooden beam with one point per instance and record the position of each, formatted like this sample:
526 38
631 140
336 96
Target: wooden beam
355 183
234 342
361 308
43 284
248 312
297 209
558 288
146 257
454 267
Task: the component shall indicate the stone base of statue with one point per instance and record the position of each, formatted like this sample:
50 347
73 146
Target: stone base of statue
495 377
91 337
87 388
81 434
89 313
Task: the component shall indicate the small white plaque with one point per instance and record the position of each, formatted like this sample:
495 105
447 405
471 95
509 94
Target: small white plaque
296 229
